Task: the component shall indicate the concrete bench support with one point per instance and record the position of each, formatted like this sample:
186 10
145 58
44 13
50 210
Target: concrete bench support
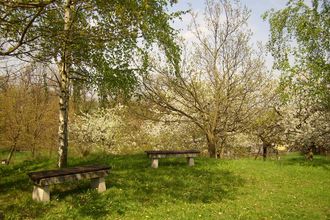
41 194
99 184
43 179
156 155
154 163
190 161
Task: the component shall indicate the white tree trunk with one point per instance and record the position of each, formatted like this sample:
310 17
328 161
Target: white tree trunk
64 67
63 119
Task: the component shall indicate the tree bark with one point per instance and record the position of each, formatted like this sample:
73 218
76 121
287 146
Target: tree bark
211 145
46 90
11 153
258 153
265 146
64 88
222 152
63 119
13 148
222 147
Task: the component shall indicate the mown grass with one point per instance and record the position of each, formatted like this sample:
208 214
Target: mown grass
291 188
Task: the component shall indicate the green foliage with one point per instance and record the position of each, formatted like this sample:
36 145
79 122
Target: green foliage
94 41
104 38
300 45
291 188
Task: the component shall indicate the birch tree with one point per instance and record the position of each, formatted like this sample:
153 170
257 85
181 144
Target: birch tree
86 39
18 25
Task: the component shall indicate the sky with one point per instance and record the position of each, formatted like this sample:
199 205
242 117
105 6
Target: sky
259 27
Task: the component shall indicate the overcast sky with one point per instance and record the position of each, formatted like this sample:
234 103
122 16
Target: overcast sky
259 27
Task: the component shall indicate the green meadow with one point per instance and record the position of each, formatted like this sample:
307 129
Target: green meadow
290 188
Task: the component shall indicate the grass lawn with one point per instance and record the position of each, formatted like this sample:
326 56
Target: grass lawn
291 188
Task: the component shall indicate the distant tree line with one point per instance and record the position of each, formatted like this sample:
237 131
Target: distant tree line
133 86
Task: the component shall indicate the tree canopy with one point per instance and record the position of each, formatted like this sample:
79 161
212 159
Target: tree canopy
95 41
222 80
300 45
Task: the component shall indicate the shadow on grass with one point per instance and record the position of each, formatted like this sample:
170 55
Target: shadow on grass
318 161
132 185
15 176
16 190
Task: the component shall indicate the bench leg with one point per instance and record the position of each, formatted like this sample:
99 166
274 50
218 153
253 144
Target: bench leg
154 163
41 193
190 161
99 184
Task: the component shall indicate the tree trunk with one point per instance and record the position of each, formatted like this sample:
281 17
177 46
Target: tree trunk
64 87
265 146
258 153
13 148
223 147
11 153
46 90
212 149
103 99
211 145
222 152
63 119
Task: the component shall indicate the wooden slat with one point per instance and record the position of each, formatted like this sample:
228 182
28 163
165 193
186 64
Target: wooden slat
36 176
154 156
172 152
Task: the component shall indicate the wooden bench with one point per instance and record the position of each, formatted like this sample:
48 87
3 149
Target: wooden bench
155 155
43 179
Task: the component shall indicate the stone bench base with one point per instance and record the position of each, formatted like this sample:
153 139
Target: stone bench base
154 162
43 179
42 193
156 155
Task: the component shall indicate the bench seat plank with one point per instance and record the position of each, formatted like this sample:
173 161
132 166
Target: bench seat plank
37 176
171 155
172 152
